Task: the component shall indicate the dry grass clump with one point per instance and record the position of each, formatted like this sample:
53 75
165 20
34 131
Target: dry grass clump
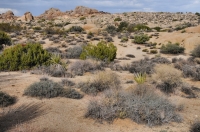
102 81
142 105
167 78
79 67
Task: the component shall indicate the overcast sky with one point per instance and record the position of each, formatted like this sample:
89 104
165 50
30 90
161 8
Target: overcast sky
37 7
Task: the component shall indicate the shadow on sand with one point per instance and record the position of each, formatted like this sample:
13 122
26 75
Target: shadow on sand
20 115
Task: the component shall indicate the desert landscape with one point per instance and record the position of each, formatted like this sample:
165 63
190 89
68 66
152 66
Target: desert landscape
86 70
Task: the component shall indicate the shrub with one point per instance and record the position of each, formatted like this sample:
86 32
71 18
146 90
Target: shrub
6 100
142 66
6 27
196 51
171 49
195 127
82 66
22 56
4 39
142 105
50 89
167 78
117 19
101 82
102 51
153 51
66 82
74 53
57 68
111 29
141 39
137 27
122 26
76 29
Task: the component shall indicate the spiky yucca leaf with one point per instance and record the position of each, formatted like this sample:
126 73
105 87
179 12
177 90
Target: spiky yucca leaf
140 78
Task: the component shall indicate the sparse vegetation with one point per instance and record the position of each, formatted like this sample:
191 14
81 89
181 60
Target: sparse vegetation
135 105
167 78
76 29
102 51
6 100
101 82
172 49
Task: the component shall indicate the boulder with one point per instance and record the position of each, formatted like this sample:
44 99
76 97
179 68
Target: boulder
26 17
51 14
9 15
82 10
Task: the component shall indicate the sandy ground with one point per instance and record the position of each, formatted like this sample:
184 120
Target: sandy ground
67 115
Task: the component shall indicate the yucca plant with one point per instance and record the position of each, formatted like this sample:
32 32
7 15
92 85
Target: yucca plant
140 78
57 67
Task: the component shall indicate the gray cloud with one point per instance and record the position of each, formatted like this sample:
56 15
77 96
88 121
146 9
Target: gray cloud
39 6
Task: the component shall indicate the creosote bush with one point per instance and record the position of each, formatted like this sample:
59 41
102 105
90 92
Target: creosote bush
196 51
4 39
102 81
102 51
167 78
141 39
111 29
75 29
50 89
23 56
142 105
172 49
6 100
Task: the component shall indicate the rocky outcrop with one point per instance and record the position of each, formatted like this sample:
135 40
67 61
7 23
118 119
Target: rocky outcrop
9 15
51 14
26 17
81 10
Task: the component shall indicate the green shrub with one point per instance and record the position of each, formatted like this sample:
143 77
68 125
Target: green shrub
117 19
137 27
6 27
196 51
102 51
111 29
142 105
76 29
141 39
4 39
6 100
23 56
153 51
157 29
171 49
122 26
50 89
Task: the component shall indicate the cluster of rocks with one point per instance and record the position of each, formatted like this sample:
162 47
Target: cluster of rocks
51 14
9 15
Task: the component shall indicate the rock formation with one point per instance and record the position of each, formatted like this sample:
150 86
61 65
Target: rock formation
51 14
81 10
9 15
26 17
